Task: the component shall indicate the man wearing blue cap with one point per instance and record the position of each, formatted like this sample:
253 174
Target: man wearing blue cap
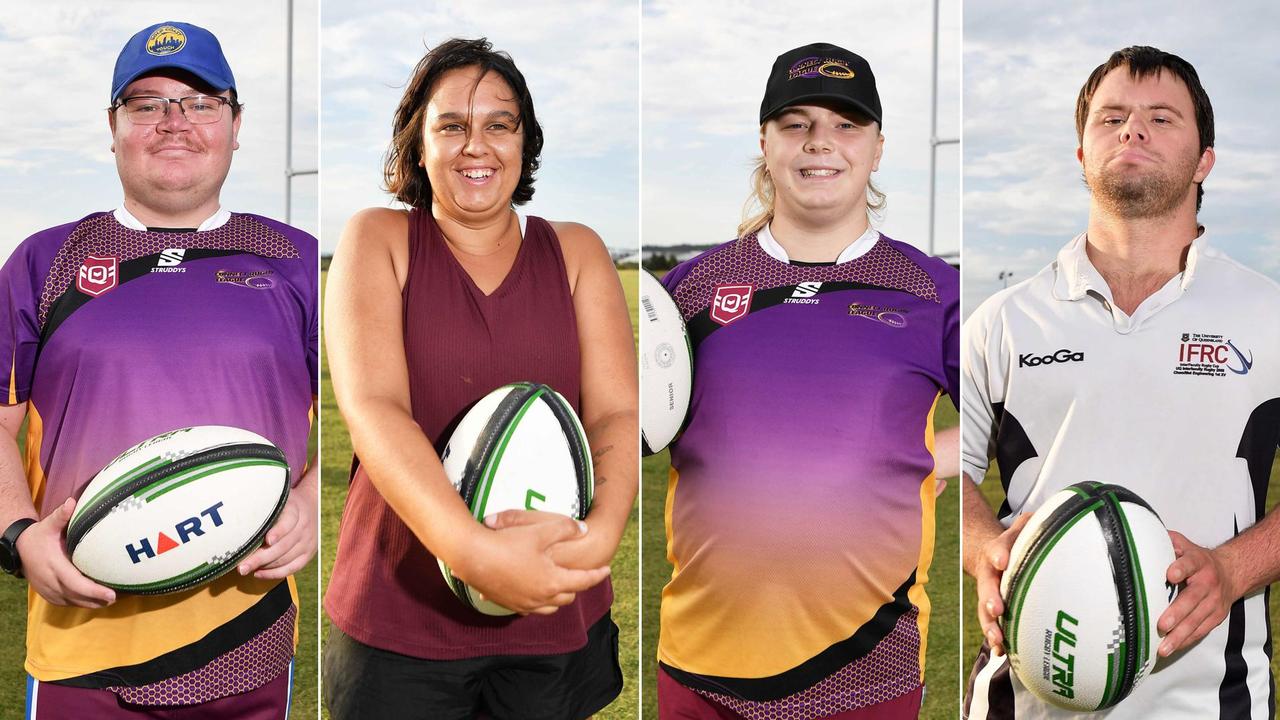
130 323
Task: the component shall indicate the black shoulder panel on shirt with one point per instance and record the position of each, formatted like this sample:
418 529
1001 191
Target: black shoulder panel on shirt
1013 447
1258 445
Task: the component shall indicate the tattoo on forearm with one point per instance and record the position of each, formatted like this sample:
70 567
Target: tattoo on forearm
595 456
600 480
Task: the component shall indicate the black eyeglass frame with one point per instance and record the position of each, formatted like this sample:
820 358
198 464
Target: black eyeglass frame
222 102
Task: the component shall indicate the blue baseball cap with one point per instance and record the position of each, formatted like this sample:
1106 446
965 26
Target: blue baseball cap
172 45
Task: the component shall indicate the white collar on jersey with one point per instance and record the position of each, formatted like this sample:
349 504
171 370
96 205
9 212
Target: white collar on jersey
856 249
215 221
1075 278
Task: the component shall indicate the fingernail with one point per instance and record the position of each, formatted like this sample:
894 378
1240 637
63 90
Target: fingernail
991 607
491 521
1165 649
243 569
582 527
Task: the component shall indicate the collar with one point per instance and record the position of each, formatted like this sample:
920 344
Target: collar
1075 278
214 221
856 249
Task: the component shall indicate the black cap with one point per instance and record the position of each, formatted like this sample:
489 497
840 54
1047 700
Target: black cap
820 71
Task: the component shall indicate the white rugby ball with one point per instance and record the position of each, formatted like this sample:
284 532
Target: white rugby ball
666 366
178 510
1084 588
521 447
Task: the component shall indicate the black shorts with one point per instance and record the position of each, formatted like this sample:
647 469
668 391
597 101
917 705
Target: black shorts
365 683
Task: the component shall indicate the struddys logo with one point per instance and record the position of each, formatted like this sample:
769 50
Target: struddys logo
812 67
731 302
98 275
256 279
166 40
183 533
1205 354
891 316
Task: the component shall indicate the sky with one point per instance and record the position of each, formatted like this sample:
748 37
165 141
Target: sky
704 70
55 156
580 63
1023 68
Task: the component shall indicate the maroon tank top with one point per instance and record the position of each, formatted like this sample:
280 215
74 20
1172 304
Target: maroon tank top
386 590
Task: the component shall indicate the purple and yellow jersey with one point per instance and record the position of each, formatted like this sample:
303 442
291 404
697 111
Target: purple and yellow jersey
115 335
800 509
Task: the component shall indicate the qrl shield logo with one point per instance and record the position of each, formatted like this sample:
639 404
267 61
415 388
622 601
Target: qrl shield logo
731 302
97 275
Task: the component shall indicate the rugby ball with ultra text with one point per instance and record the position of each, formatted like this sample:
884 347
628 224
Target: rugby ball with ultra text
1084 588
666 366
178 510
521 447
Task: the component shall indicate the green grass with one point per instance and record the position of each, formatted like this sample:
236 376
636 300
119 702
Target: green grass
334 471
994 494
942 666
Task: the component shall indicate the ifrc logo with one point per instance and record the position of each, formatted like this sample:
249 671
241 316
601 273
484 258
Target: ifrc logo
731 302
97 275
184 531
1211 355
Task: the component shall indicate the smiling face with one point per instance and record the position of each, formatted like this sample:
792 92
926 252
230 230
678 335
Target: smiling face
820 159
472 143
173 167
1140 148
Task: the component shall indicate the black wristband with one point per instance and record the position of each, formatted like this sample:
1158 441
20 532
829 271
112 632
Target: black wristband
10 562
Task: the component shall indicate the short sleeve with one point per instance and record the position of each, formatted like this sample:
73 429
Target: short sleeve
977 379
20 286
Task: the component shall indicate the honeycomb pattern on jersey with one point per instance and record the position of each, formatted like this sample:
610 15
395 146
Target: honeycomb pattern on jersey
103 235
248 667
890 670
745 262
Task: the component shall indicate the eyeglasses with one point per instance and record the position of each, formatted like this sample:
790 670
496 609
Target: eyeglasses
149 110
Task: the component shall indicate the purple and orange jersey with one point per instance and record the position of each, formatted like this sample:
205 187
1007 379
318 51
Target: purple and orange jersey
115 335
800 509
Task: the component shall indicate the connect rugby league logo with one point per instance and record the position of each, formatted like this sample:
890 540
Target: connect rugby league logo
731 302
812 67
1206 354
98 274
166 40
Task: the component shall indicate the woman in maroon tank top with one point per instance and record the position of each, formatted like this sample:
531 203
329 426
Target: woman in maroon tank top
428 311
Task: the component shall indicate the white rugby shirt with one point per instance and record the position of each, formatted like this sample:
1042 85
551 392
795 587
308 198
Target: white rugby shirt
1174 402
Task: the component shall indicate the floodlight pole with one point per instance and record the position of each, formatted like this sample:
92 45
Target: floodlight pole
934 140
289 171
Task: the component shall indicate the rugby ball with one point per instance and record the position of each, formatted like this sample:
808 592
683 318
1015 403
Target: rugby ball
666 366
1084 588
178 510
521 447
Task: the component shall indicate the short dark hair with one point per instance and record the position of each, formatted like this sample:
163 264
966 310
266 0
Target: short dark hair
404 177
1144 61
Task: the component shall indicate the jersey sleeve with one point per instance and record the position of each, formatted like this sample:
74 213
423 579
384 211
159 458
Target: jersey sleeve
20 285
978 380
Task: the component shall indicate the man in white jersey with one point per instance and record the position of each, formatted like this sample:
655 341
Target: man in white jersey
1130 360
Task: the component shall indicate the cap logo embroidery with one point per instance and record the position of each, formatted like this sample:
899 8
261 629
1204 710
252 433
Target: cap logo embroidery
166 40
812 67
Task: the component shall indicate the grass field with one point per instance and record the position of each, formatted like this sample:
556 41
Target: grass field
337 456
994 494
942 663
